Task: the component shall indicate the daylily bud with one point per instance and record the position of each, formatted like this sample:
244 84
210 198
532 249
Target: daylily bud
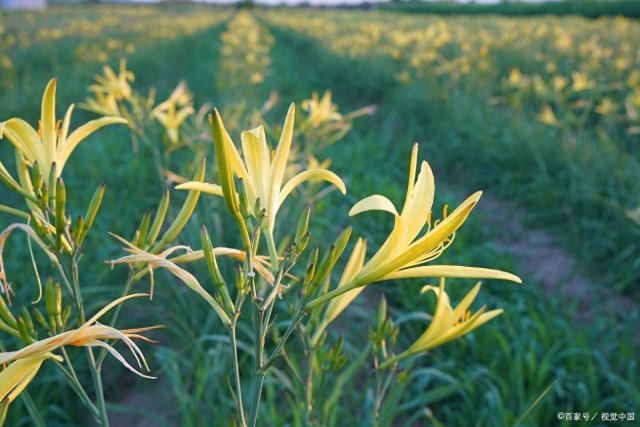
92 212
36 177
214 271
341 243
158 220
382 312
24 314
23 331
303 226
75 234
65 317
329 260
311 268
61 201
52 184
220 146
245 205
39 317
143 229
303 242
241 280
40 227
185 212
5 314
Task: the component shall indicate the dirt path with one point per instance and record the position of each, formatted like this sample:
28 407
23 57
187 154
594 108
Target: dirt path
543 260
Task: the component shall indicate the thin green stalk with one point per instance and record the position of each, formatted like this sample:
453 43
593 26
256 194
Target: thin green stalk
93 367
331 295
72 379
257 391
381 391
259 375
236 369
15 212
297 317
309 385
99 390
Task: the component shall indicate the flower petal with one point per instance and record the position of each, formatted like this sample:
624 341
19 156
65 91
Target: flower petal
282 153
373 203
456 271
311 175
67 146
26 140
354 265
48 121
257 158
205 187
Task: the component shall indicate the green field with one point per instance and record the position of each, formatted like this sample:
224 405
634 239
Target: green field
542 114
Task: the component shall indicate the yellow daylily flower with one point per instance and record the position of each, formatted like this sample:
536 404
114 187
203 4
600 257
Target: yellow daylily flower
51 143
17 376
547 116
90 334
114 84
174 111
401 256
263 171
320 110
447 323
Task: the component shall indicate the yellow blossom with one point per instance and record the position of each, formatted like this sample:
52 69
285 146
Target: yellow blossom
402 256
263 171
447 323
51 144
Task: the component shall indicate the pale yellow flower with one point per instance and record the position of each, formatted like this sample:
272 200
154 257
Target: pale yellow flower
51 144
402 256
547 116
173 112
447 323
114 84
262 170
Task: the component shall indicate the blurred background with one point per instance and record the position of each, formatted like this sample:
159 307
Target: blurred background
535 103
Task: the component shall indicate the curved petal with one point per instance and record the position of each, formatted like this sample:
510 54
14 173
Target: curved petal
436 236
310 175
257 159
418 204
412 174
440 324
48 120
64 131
26 140
457 271
282 152
373 203
67 146
464 304
354 265
205 187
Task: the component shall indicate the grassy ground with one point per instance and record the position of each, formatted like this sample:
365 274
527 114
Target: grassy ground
491 377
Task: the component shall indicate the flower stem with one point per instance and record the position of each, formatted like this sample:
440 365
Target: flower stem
331 295
236 369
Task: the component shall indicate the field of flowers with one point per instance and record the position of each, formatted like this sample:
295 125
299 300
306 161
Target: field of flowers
149 230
